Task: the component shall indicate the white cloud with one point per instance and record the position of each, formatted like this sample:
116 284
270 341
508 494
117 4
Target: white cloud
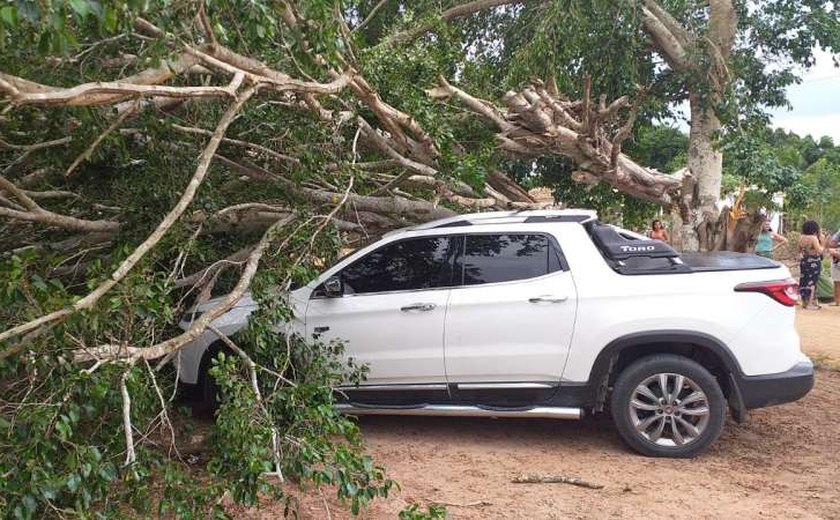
815 101
817 125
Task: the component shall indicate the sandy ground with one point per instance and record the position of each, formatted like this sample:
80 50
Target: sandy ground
820 332
783 463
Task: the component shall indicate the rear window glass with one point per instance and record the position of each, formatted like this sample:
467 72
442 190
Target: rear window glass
506 257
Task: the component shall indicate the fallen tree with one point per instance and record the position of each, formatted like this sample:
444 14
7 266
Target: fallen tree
239 153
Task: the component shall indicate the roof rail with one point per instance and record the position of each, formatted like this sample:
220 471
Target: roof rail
507 217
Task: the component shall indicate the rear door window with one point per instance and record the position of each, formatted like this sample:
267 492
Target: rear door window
506 257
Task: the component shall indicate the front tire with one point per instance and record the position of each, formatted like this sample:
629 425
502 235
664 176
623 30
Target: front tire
668 406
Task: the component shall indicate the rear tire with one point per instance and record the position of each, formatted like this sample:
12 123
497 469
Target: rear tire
668 406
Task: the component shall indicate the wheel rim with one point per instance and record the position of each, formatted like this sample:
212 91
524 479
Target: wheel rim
669 410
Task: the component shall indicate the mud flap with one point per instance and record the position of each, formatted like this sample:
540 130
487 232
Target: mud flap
736 401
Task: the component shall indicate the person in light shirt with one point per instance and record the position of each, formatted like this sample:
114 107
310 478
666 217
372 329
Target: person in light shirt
768 240
834 252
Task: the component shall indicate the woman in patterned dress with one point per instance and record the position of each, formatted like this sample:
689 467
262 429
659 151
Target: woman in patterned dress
811 246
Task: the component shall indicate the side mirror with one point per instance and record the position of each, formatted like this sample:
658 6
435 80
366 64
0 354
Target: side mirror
333 287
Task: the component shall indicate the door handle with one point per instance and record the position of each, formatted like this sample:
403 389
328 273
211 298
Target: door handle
548 299
319 330
423 307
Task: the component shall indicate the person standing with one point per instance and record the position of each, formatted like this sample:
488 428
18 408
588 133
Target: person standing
657 232
768 240
834 251
811 246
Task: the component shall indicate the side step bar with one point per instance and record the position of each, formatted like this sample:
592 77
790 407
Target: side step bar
446 410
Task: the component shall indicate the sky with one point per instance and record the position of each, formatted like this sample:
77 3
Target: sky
815 102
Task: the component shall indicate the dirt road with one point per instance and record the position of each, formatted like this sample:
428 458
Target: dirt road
783 463
820 332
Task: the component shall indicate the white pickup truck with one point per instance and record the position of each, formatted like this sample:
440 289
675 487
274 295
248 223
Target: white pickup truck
552 314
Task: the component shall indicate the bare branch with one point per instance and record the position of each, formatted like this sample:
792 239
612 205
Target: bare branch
276 80
10 204
418 210
587 106
625 130
90 149
49 218
117 352
541 123
723 22
395 121
18 193
30 211
204 161
153 76
164 415
35 146
386 148
665 41
486 110
52 194
208 272
128 428
370 15
237 142
453 13
99 93
669 22
608 112
144 26
205 24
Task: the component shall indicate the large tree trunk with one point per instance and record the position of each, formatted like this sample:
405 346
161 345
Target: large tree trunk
697 224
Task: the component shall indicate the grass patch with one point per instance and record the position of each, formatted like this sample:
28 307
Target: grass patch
825 362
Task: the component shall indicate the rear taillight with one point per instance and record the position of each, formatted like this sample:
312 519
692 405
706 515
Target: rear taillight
785 292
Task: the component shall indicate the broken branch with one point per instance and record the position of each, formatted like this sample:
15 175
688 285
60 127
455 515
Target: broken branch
555 479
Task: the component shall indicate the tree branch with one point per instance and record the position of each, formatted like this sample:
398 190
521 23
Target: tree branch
35 146
370 15
383 145
49 218
669 22
32 212
153 76
723 22
237 142
538 123
128 428
92 148
665 41
99 93
480 107
453 13
123 269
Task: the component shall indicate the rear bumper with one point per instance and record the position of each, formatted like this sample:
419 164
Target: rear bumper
772 389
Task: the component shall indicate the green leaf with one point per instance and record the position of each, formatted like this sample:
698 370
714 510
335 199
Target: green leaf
73 482
110 20
9 15
81 7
